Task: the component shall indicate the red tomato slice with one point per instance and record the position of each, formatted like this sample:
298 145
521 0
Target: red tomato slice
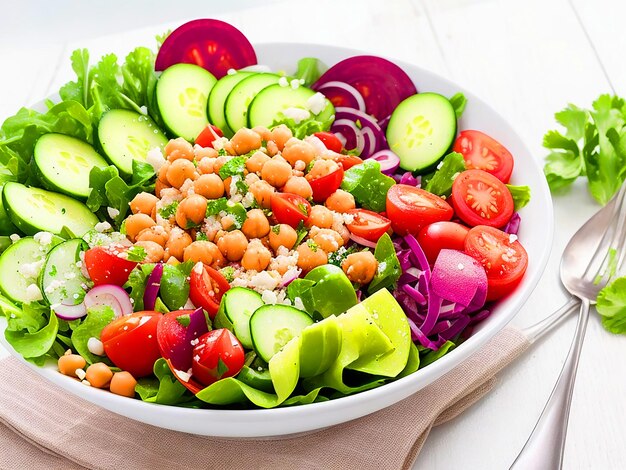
480 198
174 336
482 152
206 288
348 161
435 237
108 265
503 257
411 208
212 44
131 342
326 185
218 354
368 224
330 141
290 209
208 135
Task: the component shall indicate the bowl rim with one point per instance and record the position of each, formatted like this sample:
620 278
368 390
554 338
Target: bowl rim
341 409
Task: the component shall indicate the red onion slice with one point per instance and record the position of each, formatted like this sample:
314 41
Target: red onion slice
350 133
389 161
362 241
153 285
343 94
112 296
70 312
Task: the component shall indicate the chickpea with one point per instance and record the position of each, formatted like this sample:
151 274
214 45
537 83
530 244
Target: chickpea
251 178
175 246
123 383
272 148
160 185
298 185
264 132
233 245
262 191
280 135
179 171
256 257
322 168
218 163
227 222
311 256
276 172
245 140
328 240
178 148
154 251
282 235
206 165
191 211
298 151
360 267
143 203
156 233
340 201
69 363
136 223
256 225
228 147
99 375
218 258
162 173
256 161
204 152
200 250
210 186
320 217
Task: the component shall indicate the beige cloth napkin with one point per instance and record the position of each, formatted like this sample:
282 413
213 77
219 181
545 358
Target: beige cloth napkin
44 427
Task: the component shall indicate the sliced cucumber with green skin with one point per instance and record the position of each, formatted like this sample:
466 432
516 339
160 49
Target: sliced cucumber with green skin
5 242
237 306
261 380
33 210
182 93
273 326
13 282
126 136
217 99
6 226
61 279
239 99
421 130
270 103
63 163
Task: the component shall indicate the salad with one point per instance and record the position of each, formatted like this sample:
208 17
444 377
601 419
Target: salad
191 228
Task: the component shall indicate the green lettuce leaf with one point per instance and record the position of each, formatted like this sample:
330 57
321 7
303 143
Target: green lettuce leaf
309 70
389 270
165 389
458 102
33 344
91 327
440 183
137 284
304 128
611 305
368 185
521 195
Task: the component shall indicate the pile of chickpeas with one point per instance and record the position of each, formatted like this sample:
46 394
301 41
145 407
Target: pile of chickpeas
278 162
97 375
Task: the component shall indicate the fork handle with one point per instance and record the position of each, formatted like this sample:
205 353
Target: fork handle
544 448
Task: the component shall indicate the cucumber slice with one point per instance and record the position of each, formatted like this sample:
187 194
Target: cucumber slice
126 136
273 326
261 380
239 99
14 276
61 279
182 94
238 305
6 226
33 210
274 100
217 99
63 163
421 130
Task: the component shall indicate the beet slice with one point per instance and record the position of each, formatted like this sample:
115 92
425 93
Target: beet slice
382 84
212 44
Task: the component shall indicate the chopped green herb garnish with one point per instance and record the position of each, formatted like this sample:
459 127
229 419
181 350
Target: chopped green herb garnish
302 233
184 320
136 253
229 273
222 153
303 208
312 245
276 229
201 236
222 368
168 211
233 167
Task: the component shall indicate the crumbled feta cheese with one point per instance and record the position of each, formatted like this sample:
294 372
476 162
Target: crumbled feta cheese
512 238
80 373
30 270
264 280
184 376
231 72
54 285
69 275
297 114
248 200
33 293
460 266
194 341
43 238
316 103
95 346
439 165
295 84
381 266
113 212
218 144
269 297
282 81
14 237
155 158
348 218
103 227
233 185
297 302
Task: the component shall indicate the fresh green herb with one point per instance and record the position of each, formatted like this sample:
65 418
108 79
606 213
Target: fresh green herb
305 127
238 213
309 166
309 70
368 185
359 124
241 186
169 211
53 270
611 305
440 183
521 195
234 166
303 208
302 232
136 253
229 273
201 236
222 153
341 254
458 102
184 320
216 206
312 245
91 327
222 368
389 270
160 38
276 229
594 145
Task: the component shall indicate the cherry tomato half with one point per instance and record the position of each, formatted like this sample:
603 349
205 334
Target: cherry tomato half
174 337
411 208
188 382
330 141
480 198
218 354
435 237
368 224
207 136
482 152
108 264
326 185
348 161
206 288
130 341
290 209
503 257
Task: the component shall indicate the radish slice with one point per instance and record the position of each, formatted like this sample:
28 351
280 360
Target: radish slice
389 161
112 296
70 312
343 94
152 287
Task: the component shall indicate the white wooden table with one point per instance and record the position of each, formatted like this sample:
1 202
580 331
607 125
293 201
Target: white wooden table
528 59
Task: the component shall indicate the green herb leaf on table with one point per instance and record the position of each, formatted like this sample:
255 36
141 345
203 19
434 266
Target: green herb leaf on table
368 185
611 305
440 183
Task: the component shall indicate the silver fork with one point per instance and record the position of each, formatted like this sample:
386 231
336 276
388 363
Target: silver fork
583 278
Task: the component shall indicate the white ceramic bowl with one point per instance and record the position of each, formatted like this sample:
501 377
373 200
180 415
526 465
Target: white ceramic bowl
536 236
